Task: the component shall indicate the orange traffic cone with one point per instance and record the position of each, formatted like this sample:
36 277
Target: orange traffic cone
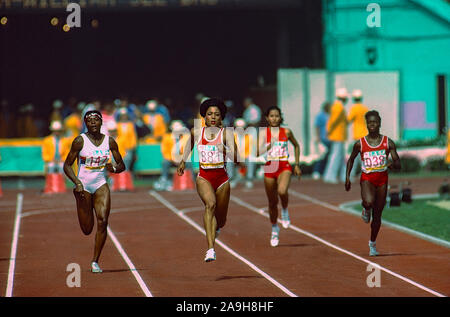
128 180
183 182
122 181
54 183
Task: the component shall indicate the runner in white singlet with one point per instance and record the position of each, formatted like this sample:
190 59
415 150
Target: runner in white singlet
93 151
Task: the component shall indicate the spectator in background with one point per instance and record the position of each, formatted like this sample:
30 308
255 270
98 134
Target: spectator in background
55 148
26 126
73 123
252 113
172 146
356 116
337 134
108 113
228 121
320 126
164 111
155 122
126 138
245 143
56 114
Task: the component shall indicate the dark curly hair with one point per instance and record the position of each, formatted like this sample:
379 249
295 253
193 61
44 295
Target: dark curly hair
213 102
372 113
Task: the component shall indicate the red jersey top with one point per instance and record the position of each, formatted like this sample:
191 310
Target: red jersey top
209 152
374 158
279 150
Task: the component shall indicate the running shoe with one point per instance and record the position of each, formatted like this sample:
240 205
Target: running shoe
365 215
274 240
95 268
285 221
373 249
210 255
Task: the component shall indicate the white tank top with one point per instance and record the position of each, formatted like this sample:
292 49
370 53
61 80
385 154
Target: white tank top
92 159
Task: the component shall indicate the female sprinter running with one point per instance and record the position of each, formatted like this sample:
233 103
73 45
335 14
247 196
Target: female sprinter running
212 180
277 170
93 149
374 149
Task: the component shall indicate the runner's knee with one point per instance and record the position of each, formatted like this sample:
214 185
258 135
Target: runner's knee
210 206
367 203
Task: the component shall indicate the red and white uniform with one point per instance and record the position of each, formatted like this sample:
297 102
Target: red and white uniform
374 161
212 159
278 155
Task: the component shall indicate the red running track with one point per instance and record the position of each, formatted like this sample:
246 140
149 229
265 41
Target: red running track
323 254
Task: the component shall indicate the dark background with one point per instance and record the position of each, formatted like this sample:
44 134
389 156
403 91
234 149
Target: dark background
145 53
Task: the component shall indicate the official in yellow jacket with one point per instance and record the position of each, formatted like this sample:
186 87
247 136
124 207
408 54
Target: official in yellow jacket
337 134
172 147
356 117
55 148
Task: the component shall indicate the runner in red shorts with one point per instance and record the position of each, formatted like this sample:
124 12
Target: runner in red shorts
374 150
212 180
277 170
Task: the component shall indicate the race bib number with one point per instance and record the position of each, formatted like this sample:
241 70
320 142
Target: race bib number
98 160
278 151
210 156
375 160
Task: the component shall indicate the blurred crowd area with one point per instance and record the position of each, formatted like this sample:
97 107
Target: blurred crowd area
151 118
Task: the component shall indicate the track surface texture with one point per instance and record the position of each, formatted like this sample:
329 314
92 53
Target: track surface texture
156 248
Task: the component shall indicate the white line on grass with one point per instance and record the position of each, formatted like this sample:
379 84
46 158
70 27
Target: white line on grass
346 207
261 212
130 264
223 245
12 257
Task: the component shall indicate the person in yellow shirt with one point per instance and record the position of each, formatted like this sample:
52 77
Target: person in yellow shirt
337 134
154 121
126 138
172 146
73 123
55 148
356 117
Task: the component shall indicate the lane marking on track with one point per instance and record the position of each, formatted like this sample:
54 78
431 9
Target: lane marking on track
130 264
331 245
14 243
179 213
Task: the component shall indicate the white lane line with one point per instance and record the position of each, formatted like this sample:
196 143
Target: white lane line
130 264
12 257
331 245
179 213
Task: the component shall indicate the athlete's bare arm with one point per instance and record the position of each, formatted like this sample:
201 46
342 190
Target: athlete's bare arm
75 149
293 140
186 153
395 164
120 165
351 159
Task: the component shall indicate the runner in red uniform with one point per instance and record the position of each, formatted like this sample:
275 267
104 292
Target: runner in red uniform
212 180
374 150
277 170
